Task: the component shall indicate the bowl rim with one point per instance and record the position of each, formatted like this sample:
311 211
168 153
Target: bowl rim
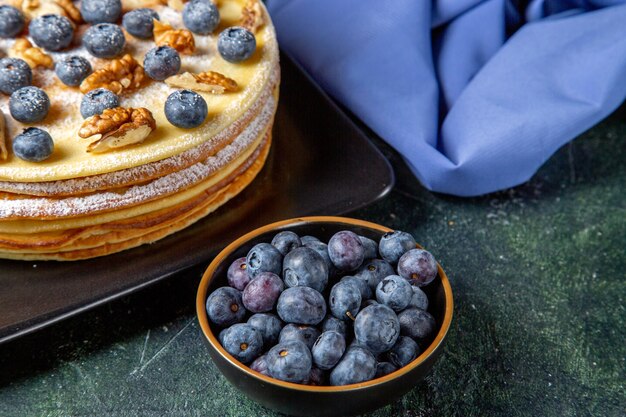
212 339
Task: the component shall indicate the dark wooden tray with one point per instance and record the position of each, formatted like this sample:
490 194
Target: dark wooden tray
320 163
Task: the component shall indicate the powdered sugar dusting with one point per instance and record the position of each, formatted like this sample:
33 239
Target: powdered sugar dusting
141 172
163 186
152 90
171 16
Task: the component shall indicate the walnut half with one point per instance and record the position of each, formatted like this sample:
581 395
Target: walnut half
180 39
119 75
252 16
116 128
36 8
71 10
211 82
34 56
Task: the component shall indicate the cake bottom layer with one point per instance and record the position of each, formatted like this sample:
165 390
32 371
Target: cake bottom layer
107 238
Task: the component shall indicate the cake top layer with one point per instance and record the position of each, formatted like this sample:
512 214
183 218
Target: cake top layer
70 158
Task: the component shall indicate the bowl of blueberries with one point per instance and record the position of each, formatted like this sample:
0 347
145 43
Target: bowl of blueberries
324 316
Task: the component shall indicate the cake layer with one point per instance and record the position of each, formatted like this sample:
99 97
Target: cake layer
259 113
210 204
23 207
40 225
127 228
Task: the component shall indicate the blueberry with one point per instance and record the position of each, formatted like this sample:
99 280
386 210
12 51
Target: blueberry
417 324
328 349
101 11
11 21
361 284
161 62
317 377
33 145
269 325
236 44
333 323
237 274
186 109
51 31
264 257
395 244
73 70
344 300
98 100
140 22
290 361
346 250
301 305
286 241
419 299
308 239
304 267
373 271
395 292
14 74
262 291
201 16
322 249
377 328
384 368
370 247
242 341
306 334
357 365
403 352
260 365
224 307
29 105
418 266
104 40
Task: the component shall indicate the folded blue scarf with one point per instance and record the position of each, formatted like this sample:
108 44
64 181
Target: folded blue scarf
475 94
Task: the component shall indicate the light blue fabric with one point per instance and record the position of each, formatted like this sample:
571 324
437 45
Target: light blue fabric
475 94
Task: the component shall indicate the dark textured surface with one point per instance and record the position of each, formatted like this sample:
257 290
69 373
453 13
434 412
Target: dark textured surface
538 275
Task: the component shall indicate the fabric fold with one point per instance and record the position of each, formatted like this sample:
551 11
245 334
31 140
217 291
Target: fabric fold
475 94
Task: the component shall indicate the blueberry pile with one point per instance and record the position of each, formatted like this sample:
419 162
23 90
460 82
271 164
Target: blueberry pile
303 311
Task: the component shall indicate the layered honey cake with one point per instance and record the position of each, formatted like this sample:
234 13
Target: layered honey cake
125 121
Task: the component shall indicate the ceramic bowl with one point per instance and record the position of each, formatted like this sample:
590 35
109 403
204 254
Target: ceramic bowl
305 400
